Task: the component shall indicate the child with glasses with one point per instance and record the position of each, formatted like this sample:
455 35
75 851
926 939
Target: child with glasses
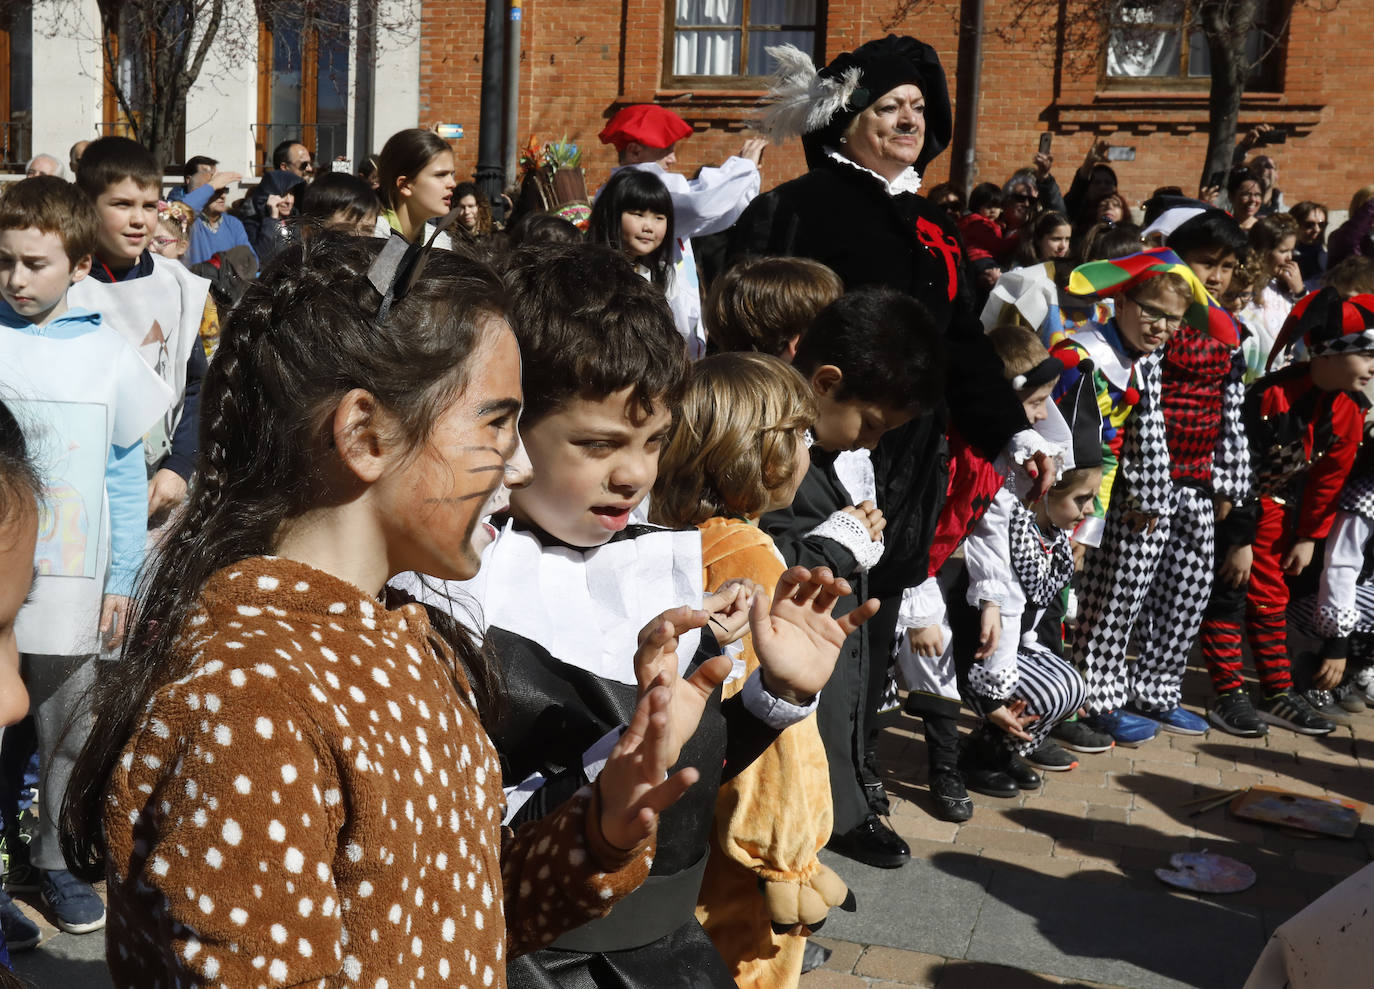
1153 293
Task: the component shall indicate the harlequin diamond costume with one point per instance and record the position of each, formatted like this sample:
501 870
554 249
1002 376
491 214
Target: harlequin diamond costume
1180 445
1303 442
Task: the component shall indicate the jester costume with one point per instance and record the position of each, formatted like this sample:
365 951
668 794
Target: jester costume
1303 442
1157 581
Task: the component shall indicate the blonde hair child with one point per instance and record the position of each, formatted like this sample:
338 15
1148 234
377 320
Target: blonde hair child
738 450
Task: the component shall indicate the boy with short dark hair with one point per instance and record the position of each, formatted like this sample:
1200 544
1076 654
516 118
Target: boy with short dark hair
568 583
156 304
875 361
85 399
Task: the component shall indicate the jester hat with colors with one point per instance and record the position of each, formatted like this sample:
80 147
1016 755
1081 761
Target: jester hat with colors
1119 275
1328 324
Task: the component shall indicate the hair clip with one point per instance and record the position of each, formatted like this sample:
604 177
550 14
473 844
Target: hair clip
400 264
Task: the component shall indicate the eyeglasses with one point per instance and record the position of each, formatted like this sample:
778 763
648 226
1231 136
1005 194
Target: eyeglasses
1021 197
1315 224
953 207
1149 314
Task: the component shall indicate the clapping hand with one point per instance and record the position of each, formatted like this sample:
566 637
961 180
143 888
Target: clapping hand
634 784
656 662
796 638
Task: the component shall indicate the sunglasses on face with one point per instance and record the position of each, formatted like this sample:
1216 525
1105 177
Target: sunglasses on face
1023 198
1315 224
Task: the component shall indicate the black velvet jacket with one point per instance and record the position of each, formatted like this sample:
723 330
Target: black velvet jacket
845 218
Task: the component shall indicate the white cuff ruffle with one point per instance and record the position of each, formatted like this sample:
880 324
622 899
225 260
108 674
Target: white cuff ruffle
853 535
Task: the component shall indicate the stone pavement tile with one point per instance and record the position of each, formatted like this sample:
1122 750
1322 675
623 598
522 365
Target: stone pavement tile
824 979
1099 936
1134 836
1088 794
932 903
976 975
1054 823
922 827
1049 866
1023 842
1328 865
843 954
1165 823
1088 853
1087 773
896 965
1003 819
1157 752
1103 812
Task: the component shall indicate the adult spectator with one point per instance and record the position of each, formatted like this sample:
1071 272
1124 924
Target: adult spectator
294 157
44 164
201 183
1246 197
1020 204
858 211
474 211
949 198
74 155
269 206
1093 182
215 230
1266 172
1351 238
1310 251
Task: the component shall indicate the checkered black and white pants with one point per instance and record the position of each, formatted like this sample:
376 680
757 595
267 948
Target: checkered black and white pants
1156 584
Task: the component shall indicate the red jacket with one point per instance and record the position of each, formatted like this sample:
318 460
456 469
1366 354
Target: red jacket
980 233
973 481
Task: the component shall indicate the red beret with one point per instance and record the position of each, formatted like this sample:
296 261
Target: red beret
645 123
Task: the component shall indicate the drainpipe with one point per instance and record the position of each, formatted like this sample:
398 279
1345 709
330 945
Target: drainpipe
512 128
964 166
490 172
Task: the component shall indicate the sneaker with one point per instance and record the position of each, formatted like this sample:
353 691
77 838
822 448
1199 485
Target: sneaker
1177 719
1364 680
1324 703
1290 710
21 934
20 875
951 799
1232 712
77 906
1050 758
1080 736
1350 697
1127 729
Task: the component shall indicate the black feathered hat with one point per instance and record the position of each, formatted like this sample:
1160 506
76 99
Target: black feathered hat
819 106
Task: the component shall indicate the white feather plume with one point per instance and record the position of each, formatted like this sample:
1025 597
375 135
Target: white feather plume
799 100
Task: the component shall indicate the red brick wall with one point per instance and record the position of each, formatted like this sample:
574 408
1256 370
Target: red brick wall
576 71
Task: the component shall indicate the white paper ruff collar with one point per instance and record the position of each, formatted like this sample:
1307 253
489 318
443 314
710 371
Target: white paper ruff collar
908 181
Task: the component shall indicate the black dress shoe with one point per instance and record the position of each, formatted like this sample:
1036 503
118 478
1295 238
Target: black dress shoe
1021 774
872 843
814 956
989 782
951 800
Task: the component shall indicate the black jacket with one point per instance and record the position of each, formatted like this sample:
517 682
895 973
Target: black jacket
844 218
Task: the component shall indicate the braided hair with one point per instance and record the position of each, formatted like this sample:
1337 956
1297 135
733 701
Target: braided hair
304 335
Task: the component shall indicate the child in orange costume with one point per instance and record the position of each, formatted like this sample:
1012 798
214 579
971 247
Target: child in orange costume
739 449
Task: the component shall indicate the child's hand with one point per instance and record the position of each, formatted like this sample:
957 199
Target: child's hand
1330 674
656 664
1236 570
166 490
797 639
1223 508
1139 522
1297 558
989 630
114 619
928 641
1013 719
729 609
1039 467
870 515
632 785
1080 551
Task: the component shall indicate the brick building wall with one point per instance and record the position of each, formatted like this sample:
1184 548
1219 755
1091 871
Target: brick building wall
584 59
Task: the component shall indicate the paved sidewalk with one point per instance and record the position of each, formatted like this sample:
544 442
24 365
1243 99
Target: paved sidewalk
1056 886
1061 881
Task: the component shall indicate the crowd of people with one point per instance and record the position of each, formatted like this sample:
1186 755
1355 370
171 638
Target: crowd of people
392 594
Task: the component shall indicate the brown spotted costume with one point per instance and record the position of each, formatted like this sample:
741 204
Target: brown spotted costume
315 803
